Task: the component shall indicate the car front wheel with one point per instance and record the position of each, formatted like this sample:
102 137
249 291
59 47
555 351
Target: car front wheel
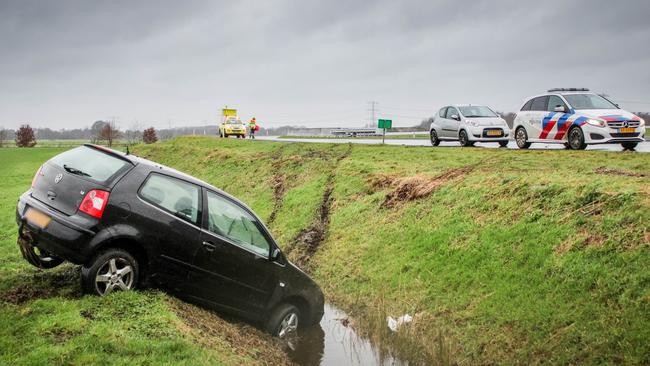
434 138
284 321
111 270
464 139
577 139
521 137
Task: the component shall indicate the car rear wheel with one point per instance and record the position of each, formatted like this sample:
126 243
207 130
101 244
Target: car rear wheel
576 139
434 138
284 321
629 145
111 270
521 137
464 139
503 143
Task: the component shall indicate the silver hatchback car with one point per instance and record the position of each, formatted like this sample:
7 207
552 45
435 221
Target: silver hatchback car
468 124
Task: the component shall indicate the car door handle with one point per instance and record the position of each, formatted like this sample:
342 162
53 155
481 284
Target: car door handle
210 247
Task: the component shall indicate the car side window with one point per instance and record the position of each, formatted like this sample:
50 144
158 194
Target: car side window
539 104
227 219
442 112
176 196
555 101
451 111
527 106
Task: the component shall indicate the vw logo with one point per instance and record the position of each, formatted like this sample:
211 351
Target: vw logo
58 178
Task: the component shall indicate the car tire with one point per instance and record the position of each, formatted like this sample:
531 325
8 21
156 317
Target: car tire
629 145
284 321
464 139
521 138
110 270
435 141
576 139
503 143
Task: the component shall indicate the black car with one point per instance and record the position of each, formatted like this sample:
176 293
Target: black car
129 221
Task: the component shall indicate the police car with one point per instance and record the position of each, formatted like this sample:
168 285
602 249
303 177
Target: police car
575 117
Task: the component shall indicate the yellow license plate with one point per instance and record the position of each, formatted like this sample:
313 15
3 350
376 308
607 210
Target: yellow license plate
37 218
627 130
494 133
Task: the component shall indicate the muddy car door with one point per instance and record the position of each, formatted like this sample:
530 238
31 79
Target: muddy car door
232 269
170 209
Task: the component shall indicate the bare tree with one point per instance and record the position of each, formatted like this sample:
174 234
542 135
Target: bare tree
109 133
3 136
134 134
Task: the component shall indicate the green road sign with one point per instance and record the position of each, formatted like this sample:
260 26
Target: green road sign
385 123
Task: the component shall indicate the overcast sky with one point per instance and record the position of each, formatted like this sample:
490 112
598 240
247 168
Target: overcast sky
65 64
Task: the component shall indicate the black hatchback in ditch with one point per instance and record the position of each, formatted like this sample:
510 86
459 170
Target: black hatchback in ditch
129 221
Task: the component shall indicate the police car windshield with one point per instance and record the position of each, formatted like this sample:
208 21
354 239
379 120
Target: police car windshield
588 101
234 122
476 111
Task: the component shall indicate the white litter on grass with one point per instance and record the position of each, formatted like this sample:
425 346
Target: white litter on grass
394 324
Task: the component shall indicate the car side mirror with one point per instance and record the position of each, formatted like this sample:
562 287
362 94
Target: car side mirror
559 108
455 117
275 254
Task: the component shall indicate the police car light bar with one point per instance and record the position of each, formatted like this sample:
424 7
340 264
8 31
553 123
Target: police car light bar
568 89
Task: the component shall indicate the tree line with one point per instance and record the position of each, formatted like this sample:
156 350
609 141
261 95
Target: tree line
101 132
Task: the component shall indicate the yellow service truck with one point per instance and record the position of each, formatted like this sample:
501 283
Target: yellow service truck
231 125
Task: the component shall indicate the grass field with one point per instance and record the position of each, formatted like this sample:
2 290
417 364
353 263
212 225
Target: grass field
503 256
45 320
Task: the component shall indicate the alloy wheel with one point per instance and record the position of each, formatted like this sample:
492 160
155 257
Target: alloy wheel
289 325
114 274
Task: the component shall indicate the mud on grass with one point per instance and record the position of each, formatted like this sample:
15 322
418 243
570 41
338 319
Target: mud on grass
209 330
37 284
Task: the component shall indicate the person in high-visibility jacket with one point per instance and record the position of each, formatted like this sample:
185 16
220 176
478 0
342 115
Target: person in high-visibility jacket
252 127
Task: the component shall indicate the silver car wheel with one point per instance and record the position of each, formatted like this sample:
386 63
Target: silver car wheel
114 274
289 325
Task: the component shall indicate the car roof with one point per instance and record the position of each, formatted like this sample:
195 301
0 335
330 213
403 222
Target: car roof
152 165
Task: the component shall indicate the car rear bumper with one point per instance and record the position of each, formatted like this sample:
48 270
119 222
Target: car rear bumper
61 237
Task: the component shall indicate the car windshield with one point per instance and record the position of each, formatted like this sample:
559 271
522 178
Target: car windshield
234 122
477 111
588 101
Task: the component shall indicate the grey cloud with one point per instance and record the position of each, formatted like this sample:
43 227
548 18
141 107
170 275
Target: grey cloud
68 63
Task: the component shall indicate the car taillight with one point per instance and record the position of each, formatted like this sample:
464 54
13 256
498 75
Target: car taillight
94 203
39 173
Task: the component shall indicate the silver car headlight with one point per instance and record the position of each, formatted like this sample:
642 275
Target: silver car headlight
472 123
641 122
597 122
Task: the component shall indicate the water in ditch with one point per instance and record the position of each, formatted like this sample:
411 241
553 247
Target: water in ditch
334 342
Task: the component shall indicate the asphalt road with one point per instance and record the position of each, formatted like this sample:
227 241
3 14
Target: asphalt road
642 147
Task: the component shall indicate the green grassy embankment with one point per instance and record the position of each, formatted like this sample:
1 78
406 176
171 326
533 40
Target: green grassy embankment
410 136
44 319
504 256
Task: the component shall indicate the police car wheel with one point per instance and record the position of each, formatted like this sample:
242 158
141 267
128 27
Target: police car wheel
463 139
629 145
577 139
521 138
434 138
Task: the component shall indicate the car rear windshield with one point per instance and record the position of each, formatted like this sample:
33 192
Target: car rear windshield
588 101
477 111
90 163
